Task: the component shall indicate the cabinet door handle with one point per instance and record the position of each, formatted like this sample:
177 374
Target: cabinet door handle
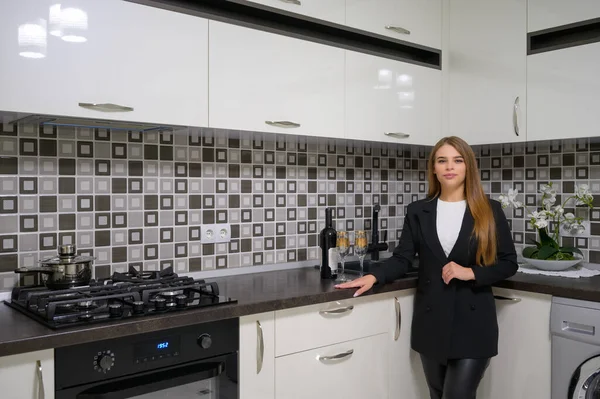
515 119
398 29
260 347
336 357
336 311
284 124
506 298
40 378
106 107
397 135
296 2
398 319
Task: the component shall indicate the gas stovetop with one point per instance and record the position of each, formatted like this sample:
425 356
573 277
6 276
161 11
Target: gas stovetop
124 295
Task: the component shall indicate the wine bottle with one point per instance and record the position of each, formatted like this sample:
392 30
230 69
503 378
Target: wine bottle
327 239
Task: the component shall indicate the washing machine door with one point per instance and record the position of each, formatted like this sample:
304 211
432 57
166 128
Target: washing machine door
586 380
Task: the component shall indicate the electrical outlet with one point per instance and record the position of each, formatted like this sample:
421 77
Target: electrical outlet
223 232
568 233
208 233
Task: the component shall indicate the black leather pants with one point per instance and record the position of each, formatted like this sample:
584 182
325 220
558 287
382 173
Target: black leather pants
458 379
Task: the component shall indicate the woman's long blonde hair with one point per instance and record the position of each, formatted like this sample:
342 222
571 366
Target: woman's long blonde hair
484 228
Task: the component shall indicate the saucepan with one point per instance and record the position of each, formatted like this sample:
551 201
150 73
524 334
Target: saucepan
65 270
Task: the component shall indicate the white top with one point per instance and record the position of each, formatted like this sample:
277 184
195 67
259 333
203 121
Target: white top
448 222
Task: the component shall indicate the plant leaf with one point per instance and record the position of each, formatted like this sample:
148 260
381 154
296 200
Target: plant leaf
571 250
530 252
532 241
546 252
546 240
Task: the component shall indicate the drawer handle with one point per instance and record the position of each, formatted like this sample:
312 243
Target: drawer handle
296 2
398 29
515 119
398 319
284 124
578 328
336 311
505 298
106 107
40 378
260 347
397 135
336 357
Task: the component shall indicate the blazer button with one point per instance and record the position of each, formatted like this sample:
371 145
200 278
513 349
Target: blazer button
427 281
472 307
428 308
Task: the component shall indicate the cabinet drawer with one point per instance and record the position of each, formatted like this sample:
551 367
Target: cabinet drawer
354 369
314 326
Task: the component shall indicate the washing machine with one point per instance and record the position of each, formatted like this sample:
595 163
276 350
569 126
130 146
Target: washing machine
575 329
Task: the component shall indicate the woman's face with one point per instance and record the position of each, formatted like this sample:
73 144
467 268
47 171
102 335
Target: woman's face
449 167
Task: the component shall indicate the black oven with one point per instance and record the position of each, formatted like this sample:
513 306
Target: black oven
199 361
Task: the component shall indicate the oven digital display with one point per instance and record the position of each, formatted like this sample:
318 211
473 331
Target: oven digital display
157 347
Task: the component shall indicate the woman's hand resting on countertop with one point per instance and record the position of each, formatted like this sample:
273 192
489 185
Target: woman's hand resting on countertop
363 284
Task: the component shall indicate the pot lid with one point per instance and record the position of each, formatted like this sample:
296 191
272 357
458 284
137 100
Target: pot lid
67 256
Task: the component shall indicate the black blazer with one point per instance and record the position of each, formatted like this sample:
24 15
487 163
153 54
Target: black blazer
457 320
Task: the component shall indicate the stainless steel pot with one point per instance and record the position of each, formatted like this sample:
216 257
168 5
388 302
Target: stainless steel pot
65 270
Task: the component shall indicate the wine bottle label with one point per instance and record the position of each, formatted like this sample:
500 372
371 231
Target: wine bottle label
333 260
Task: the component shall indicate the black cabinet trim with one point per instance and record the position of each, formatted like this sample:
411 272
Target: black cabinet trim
571 35
257 16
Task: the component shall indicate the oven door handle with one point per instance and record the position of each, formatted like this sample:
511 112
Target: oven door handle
153 382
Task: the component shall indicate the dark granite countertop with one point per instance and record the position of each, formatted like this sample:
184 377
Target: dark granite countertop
256 293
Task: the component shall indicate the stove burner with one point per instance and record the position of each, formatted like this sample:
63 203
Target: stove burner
135 276
124 295
85 304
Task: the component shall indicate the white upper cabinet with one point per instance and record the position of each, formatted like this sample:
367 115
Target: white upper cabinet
266 82
484 63
328 10
417 22
28 375
392 101
543 14
150 64
562 91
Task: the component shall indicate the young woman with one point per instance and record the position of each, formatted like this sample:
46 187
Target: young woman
464 245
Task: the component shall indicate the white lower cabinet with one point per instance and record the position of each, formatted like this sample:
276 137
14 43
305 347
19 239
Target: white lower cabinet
405 372
257 356
350 370
522 368
28 375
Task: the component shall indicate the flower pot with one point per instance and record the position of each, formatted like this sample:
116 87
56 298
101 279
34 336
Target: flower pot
553 265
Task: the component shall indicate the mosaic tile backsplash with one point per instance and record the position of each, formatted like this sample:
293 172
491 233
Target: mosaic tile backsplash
139 199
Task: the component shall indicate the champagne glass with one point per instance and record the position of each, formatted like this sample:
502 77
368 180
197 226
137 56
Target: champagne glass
343 246
360 247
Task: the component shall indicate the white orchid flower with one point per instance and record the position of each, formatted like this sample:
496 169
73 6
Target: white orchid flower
541 223
559 210
510 199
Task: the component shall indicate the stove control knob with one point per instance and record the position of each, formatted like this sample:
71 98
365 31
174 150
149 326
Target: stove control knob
115 309
205 341
104 361
138 307
160 303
